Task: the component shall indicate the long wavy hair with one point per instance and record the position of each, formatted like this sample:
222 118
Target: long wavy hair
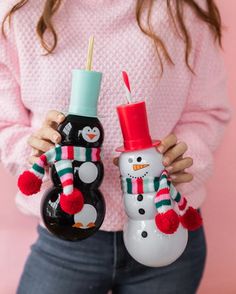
210 16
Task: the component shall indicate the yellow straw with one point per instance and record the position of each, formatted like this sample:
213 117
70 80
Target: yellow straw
90 54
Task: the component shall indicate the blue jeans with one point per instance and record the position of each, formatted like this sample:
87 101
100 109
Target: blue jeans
102 263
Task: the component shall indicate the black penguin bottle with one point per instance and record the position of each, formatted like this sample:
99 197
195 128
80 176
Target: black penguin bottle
74 208
87 132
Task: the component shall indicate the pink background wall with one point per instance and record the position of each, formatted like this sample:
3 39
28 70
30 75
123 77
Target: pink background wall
220 219
17 231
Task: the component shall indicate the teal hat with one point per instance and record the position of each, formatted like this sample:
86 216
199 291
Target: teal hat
85 91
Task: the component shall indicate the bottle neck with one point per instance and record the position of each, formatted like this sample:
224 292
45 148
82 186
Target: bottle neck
85 92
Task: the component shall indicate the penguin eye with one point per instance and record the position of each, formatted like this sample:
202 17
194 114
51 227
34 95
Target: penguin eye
130 160
86 129
139 159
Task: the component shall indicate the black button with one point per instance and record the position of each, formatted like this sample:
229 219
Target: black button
140 197
141 211
144 234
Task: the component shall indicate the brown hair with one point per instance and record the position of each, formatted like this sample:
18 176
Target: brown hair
211 16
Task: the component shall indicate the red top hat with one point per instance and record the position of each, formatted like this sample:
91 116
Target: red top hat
134 127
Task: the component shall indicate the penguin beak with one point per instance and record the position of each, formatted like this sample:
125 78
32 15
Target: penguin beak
91 136
139 166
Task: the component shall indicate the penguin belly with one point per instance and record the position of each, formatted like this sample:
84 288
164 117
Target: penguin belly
88 175
146 244
87 172
86 218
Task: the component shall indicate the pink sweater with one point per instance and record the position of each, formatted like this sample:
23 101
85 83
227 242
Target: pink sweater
194 107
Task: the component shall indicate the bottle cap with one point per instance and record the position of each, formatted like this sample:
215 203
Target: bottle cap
85 91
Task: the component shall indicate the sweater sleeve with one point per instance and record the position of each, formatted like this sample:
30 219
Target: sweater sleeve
207 109
15 126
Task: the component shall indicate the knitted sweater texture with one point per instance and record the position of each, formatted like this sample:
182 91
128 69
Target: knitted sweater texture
194 107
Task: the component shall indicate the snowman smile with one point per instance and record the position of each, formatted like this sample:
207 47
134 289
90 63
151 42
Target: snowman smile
133 177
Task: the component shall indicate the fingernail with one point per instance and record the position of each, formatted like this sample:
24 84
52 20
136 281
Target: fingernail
60 117
34 152
173 177
55 138
166 160
169 168
160 148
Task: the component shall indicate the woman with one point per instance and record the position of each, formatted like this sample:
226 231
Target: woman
171 51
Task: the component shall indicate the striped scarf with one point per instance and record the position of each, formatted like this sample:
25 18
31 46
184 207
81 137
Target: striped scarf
140 185
166 192
167 220
67 153
62 157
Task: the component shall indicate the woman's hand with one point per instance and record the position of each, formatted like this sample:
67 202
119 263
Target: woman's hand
174 161
47 136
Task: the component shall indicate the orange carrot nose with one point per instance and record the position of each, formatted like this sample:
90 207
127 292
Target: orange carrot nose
91 136
139 166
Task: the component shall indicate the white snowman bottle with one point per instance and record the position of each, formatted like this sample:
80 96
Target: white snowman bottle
156 231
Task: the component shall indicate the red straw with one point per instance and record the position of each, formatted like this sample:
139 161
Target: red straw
127 86
126 80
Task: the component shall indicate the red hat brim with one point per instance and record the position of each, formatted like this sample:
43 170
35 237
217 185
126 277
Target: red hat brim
123 149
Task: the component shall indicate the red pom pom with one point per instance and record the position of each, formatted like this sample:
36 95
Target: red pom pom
29 183
73 202
191 219
167 222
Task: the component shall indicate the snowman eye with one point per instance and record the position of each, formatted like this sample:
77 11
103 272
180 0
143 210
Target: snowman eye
139 159
130 160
